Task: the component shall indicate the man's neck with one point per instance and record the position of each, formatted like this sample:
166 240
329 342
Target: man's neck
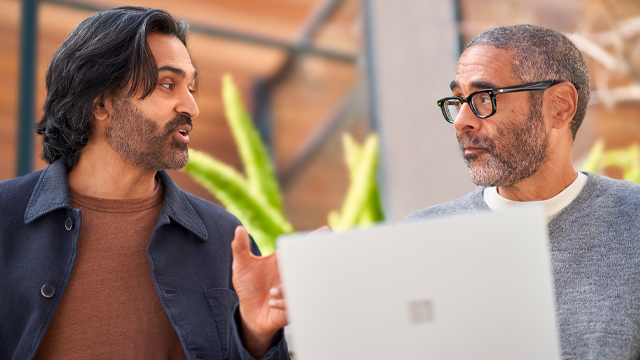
109 176
543 185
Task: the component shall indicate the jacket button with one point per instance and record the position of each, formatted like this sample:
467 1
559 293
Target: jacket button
48 290
68 224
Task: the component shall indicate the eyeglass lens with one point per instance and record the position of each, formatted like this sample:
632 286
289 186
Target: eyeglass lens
481 102
452 107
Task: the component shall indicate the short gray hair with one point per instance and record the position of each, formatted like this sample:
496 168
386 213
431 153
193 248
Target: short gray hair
541 54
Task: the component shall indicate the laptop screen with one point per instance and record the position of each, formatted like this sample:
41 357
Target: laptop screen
470 287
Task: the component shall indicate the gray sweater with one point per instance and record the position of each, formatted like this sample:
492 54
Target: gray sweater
595 251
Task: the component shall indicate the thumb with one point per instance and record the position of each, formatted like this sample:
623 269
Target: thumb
240 246
322 229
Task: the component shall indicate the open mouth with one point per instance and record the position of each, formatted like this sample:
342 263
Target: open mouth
183 134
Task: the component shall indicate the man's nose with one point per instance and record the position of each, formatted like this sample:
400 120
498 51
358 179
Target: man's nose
187 105
466 119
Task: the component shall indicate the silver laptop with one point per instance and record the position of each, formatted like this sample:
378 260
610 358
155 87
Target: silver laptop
469 287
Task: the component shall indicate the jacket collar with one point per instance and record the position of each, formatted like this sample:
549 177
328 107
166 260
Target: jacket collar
52 193
179 209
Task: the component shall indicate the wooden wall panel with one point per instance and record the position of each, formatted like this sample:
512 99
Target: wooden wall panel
214 56
597 20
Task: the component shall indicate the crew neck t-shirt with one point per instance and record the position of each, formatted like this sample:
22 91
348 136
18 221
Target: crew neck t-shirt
552 207
110 308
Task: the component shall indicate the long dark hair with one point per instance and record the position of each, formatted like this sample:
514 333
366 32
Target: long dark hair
103 54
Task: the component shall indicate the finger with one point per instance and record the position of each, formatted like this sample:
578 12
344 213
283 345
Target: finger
277 304
240 246
322 229
276 292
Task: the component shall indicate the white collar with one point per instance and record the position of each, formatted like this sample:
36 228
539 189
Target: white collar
552 207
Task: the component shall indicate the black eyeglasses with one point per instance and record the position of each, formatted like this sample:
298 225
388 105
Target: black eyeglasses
483 102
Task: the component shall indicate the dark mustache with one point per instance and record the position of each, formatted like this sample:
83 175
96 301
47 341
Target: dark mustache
178 121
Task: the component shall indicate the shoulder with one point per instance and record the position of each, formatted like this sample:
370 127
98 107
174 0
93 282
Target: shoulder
198 216
18 190
467 204
190 209
615 192
209 209
604 199
621 191
216 219
27 181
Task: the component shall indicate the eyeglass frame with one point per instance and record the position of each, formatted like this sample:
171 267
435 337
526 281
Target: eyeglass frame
541 85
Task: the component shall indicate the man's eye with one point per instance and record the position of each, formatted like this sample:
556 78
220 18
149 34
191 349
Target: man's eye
169 86
482 99
192 91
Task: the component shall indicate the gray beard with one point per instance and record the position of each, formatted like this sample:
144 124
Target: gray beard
516 152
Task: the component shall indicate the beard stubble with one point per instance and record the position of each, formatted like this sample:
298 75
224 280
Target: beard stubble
140 140
516 152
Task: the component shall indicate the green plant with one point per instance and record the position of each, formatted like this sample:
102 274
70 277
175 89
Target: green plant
361 205
626 159
256 199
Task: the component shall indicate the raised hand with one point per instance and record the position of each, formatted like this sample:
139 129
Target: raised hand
257 283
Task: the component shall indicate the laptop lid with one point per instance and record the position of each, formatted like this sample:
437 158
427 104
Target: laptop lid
469 287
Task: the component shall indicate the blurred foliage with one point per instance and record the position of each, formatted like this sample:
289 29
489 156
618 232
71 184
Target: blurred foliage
256 199
361 205
626 159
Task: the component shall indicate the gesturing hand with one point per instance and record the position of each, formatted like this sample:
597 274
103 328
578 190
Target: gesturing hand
257 283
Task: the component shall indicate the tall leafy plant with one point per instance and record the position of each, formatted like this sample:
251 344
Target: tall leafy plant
361 206
255 197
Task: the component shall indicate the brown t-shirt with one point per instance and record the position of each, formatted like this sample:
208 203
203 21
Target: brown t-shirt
111 309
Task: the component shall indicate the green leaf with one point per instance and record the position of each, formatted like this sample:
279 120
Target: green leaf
628 160
632 172
352 153
253 152
616 158
363 171
371 212
333 219
261 220
593 164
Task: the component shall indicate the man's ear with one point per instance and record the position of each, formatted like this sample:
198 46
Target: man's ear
102 106
564 104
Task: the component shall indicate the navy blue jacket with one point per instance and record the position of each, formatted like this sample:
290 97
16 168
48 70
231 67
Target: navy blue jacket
189 251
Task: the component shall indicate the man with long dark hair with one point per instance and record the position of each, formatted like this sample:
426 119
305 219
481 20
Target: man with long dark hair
101 254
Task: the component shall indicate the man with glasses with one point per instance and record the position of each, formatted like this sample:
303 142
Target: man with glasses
519 96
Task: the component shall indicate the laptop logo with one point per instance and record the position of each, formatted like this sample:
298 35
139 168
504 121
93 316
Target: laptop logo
420 311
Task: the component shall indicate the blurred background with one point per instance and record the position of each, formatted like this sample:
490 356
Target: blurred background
310 70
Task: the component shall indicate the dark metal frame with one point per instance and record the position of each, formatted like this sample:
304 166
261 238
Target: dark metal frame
28 33
458 101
